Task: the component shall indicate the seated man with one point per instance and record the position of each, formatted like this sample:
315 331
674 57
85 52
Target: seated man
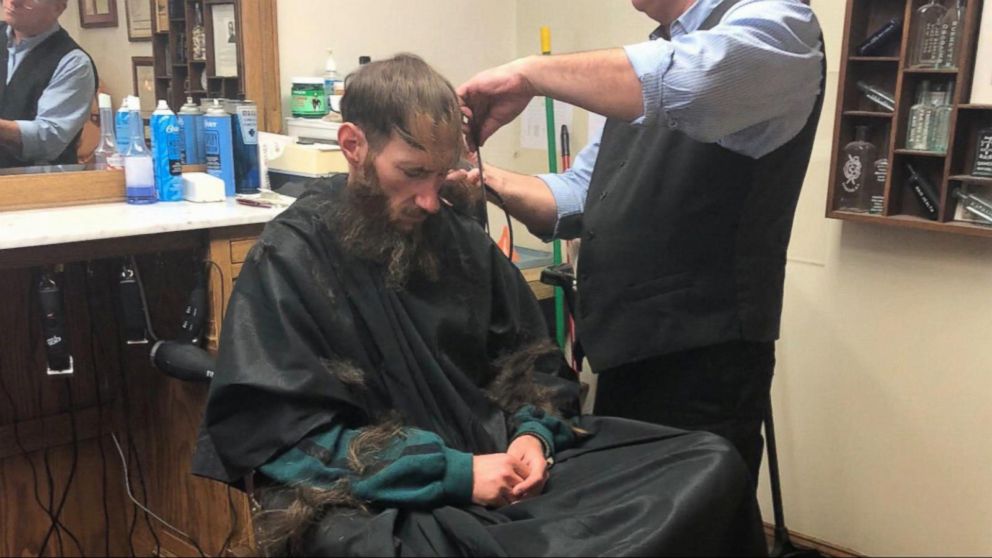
47 83
385 378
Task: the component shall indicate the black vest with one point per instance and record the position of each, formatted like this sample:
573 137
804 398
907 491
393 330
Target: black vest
19 99
684 243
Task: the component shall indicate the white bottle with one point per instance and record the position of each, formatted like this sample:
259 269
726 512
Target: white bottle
330 75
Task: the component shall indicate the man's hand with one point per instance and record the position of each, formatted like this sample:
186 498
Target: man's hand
493 98
493 478
530 451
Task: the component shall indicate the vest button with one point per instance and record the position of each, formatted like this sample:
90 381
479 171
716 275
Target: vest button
591 235
623 164
603 195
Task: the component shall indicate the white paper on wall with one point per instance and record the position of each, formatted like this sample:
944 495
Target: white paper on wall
595 126
534 124
981 88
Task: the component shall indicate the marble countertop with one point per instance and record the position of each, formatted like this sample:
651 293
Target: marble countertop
60 225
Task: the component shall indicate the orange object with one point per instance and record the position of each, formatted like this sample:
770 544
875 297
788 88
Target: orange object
504 245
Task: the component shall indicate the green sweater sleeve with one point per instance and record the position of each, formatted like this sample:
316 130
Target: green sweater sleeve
415 469
556 434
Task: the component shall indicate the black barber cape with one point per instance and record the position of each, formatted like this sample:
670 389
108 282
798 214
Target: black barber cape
426 352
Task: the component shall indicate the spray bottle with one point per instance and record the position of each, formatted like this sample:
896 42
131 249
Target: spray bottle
139 173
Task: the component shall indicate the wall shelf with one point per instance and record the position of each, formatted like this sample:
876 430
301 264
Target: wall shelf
899 206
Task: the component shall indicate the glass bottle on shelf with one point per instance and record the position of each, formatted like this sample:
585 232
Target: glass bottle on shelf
983 153
199 36
940 129
857 163
925 47
950 40
920 119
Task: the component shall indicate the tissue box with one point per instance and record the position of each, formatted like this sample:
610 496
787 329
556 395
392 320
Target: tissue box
201 187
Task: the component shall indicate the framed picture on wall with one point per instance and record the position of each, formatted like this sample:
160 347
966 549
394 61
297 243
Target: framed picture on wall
225 40
97 13
161 11
143 75
981 85
139 20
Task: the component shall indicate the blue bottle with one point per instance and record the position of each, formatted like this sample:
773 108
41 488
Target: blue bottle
166 153
139 173
191 124
247 178
217 145
122 126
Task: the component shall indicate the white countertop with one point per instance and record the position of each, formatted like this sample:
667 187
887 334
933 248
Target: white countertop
60 225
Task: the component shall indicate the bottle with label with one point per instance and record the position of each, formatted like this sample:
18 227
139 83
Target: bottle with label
950 38
191 128
925 46
218 145
139 173
875 188
940 129
166 153
122 126
244 125
857 163
106 156
920 119
983 153
198 37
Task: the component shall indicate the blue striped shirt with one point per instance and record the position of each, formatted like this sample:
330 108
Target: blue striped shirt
64 106
748 84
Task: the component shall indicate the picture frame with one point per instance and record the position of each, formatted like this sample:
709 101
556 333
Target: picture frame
223 40
981 84
143 80
139 20
97 13
160 14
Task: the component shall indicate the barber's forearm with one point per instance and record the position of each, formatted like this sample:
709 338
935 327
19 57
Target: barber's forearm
527 198
10 137
601 81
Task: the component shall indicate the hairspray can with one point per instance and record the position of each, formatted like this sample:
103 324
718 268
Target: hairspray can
217 145
166 153
191 125
247 178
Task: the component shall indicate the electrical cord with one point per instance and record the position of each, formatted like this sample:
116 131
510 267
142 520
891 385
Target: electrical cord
132 450
98 382
72 475
130 495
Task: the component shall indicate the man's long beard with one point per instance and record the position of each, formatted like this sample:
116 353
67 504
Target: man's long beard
362 225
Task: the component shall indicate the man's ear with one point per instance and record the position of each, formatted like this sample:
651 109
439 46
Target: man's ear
354 145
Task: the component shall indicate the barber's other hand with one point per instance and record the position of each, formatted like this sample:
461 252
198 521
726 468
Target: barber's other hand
493 478
530 451
493 98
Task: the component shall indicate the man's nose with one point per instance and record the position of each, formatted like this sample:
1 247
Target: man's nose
428 201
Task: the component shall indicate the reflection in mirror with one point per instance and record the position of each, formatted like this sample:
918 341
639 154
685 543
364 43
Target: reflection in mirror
48 86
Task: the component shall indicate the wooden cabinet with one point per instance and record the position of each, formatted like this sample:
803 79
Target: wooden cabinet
181 71
891 70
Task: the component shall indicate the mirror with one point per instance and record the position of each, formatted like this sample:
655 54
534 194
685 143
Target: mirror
102 29
114 48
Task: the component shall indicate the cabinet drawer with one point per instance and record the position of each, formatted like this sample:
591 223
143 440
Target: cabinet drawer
239 249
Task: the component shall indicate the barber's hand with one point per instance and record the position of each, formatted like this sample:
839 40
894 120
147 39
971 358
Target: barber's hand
530 451
493 98
493 478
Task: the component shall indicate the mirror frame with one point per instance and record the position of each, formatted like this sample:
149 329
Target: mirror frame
261 67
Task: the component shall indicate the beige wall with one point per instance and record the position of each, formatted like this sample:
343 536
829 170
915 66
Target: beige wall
109 48
883 389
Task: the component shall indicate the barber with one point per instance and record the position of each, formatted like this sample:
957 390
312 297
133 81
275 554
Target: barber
47 83
684 205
